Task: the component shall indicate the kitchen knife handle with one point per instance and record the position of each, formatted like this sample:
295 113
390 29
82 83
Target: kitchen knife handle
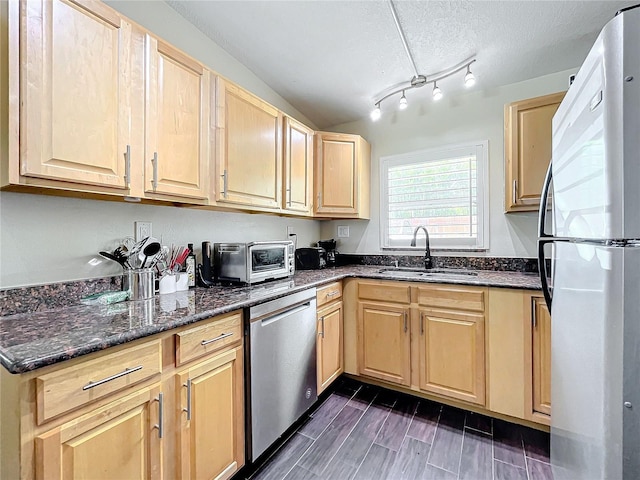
127 166
188 409
154 182
160 424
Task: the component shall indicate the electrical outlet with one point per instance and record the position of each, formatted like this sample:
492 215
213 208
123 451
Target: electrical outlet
343 231
142 229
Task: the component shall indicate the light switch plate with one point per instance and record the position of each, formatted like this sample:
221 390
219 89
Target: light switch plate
343 231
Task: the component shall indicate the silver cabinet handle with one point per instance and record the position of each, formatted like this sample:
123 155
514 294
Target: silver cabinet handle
220 337
154 182
289 196
160 424
188 409
405 322
333 294
322 321
127 166
319 199
126 371
224 183
421 323
514 193
534 320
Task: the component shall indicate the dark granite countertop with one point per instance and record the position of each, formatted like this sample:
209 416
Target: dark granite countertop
33 340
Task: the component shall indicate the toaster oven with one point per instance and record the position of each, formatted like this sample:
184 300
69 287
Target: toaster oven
253 262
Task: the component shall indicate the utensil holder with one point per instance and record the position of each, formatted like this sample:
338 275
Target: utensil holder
140 282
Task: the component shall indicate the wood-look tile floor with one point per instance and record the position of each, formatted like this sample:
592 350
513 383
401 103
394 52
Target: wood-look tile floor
367 433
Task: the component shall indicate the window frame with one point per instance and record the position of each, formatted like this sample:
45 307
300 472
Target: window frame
481 150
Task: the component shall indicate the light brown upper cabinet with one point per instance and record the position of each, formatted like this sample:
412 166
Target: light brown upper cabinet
342 170
527 149
298 167
177 123
76 85
248 149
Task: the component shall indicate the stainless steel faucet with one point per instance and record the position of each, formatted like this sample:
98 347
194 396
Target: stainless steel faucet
427 250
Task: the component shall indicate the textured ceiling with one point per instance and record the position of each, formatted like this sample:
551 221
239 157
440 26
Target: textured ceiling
330 59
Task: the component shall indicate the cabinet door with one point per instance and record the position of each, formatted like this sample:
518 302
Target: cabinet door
75 81
120 440
330 360
336 174
211 424
541 356
452 354
248 148
384 342
527 149
176 123
298 167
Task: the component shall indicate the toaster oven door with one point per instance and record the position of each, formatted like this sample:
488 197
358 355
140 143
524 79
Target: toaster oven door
268 261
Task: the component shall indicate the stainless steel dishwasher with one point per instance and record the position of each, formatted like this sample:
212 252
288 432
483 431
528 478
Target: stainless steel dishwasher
282 369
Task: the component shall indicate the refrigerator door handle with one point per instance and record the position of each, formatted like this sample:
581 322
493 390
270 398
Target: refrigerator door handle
544 198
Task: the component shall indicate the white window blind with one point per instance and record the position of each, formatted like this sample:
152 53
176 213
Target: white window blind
442 189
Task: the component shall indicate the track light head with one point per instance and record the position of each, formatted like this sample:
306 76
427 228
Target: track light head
437 93
376 113
403 102
469 78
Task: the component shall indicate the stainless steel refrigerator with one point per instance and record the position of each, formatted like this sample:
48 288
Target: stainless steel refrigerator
595 262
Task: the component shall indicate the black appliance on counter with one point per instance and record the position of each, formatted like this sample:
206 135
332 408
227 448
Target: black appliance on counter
330 247
311 258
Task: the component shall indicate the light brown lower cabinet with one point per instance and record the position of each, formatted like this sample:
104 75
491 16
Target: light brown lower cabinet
452 354
210 424
541 356
329 348
431 338
137 415
384 342
119 440
519 355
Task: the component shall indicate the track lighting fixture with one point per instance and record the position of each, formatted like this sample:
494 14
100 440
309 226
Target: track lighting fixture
419 80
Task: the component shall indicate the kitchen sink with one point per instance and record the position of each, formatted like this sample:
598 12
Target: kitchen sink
422 273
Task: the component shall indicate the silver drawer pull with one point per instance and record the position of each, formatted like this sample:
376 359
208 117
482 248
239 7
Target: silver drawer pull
333 294
127 371
207 342
160 424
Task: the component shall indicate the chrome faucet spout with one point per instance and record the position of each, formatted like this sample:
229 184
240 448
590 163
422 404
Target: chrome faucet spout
427 250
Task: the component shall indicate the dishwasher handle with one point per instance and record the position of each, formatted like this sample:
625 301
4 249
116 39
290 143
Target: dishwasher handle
287 313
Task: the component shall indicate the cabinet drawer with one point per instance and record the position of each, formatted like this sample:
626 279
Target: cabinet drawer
71 387
459 298
328 293
204 339
385 291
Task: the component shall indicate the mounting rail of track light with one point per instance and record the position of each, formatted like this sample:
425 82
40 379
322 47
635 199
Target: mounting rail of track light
418 80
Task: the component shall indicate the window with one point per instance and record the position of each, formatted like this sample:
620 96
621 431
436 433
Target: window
444 189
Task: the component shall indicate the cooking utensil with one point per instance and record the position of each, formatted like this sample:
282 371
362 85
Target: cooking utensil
110 256
150 250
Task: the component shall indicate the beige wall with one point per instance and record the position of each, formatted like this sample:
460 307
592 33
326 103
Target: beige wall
458 118
51 239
